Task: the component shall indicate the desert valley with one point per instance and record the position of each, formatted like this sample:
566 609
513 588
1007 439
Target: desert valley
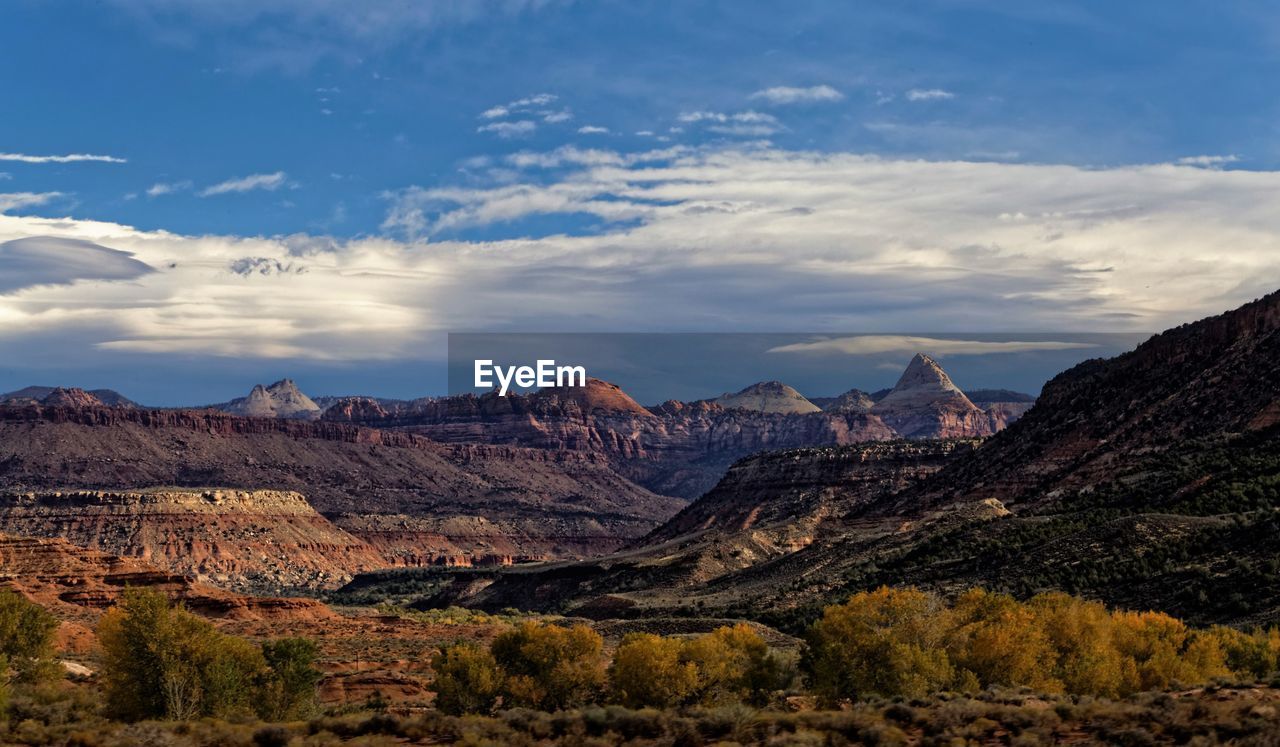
384 529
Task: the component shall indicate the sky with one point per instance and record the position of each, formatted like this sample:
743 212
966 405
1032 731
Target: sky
196 196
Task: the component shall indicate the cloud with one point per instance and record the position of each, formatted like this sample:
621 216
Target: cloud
683 239
521 128
495 112
268 182
70 158
1208 161
47 260
564 115
929 94
784 95
527 105
593 130
167 188
747 124
880 344
18 200
5 176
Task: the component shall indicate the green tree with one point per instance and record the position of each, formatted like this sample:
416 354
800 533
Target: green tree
549 667
160 661
289 688
468 679
26 640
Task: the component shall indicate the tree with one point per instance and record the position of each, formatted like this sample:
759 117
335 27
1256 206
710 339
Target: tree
997 640
467 679
26 640
887 642
652 671
549 667
733 665
289 689
1080 632
159 661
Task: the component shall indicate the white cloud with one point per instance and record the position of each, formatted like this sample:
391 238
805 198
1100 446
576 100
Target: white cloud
18 200
929 94
268 182
747 124
495 112
167 188
1208 161
783 95
593 130
688 239
564 115
521 128
5 176
880 344
527 105
70 158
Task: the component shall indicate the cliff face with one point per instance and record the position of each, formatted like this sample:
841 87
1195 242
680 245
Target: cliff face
250 540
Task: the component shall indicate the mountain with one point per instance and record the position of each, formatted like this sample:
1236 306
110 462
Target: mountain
854 400
926 404
282 399
413 501
768 396
1148 481
37 394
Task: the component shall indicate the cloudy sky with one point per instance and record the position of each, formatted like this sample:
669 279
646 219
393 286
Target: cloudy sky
198 196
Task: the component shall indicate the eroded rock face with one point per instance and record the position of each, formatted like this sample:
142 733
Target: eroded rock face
251 540
854 400
78 583
70 398
925 403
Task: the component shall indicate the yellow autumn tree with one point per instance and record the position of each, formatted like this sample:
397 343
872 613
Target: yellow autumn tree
550 667
651 671
999 641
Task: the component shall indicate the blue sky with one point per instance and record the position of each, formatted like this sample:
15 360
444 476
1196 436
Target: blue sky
589 166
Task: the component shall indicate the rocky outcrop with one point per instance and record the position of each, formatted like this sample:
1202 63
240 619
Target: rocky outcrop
34 395
282 399
70 398
768 396
925 403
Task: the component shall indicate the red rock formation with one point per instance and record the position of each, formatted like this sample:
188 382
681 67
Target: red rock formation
70 398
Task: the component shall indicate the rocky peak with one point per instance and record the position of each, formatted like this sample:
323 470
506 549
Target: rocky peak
596 396
854 400
925 403
768 396
72 397
282 399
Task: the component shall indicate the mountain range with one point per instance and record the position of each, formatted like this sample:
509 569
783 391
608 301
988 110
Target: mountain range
1150 480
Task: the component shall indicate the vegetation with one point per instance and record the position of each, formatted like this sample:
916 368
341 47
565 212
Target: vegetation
160 661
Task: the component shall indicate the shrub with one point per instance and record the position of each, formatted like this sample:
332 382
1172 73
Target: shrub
549 667
467 679
733 665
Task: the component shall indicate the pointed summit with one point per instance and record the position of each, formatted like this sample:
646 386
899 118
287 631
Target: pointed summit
72 397
925 403
597 395
768 396
282 399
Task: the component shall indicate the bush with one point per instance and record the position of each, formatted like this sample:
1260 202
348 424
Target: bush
164 662
467 679
549 667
